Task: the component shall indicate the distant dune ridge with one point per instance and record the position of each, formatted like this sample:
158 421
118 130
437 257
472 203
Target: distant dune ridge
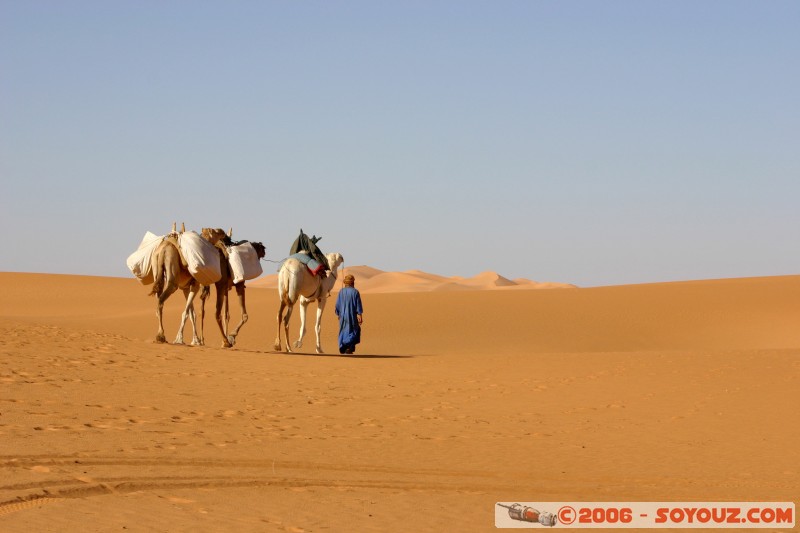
371 280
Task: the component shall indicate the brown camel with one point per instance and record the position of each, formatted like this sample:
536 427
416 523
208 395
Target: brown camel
223 286
171 273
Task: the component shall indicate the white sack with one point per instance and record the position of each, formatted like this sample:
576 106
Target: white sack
139 262
201 256
244 262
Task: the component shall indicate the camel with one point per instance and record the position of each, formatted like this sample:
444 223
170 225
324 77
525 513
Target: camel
223 286
295 282
171 274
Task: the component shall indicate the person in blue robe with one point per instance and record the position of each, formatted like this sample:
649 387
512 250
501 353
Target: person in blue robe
349 311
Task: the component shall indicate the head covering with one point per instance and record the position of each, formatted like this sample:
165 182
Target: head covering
349 280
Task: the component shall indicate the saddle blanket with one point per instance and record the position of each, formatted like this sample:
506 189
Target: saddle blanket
313 266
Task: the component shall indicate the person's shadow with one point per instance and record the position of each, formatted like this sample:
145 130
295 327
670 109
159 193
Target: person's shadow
349 355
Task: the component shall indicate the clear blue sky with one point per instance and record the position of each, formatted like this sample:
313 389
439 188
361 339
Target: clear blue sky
586 142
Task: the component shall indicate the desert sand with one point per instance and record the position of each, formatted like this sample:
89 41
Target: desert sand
456 399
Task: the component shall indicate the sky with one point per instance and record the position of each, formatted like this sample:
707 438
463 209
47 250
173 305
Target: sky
584 142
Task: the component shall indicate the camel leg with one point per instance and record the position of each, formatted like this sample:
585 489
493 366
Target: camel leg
188 312
280 319
184 315
303 309
166 293
318 324
227 313
197 336
240 295
222 305
204 292
196 340
159 312
200 335
286 318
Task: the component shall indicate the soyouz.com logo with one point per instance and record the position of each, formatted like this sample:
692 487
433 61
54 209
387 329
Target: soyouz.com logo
707 515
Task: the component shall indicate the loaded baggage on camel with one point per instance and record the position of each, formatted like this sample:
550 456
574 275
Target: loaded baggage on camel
201 257
244 261
305 250
140 261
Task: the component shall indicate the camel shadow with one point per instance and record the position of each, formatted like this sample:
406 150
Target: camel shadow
349 356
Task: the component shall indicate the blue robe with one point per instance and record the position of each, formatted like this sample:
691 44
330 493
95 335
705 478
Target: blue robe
348 307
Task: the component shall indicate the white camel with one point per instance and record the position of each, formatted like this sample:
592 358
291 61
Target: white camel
295 282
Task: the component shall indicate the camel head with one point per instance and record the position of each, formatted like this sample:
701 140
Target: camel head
334 260
261 250
213 235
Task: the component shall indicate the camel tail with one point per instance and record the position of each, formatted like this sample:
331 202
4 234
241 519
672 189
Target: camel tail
287 286
205 291
158 273
283 285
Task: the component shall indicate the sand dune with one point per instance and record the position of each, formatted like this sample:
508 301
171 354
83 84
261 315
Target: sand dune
371 280
456 400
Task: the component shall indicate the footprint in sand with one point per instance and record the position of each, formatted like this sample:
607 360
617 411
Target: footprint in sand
175 499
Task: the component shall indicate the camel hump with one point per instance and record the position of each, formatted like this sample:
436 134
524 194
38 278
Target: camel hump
172 240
